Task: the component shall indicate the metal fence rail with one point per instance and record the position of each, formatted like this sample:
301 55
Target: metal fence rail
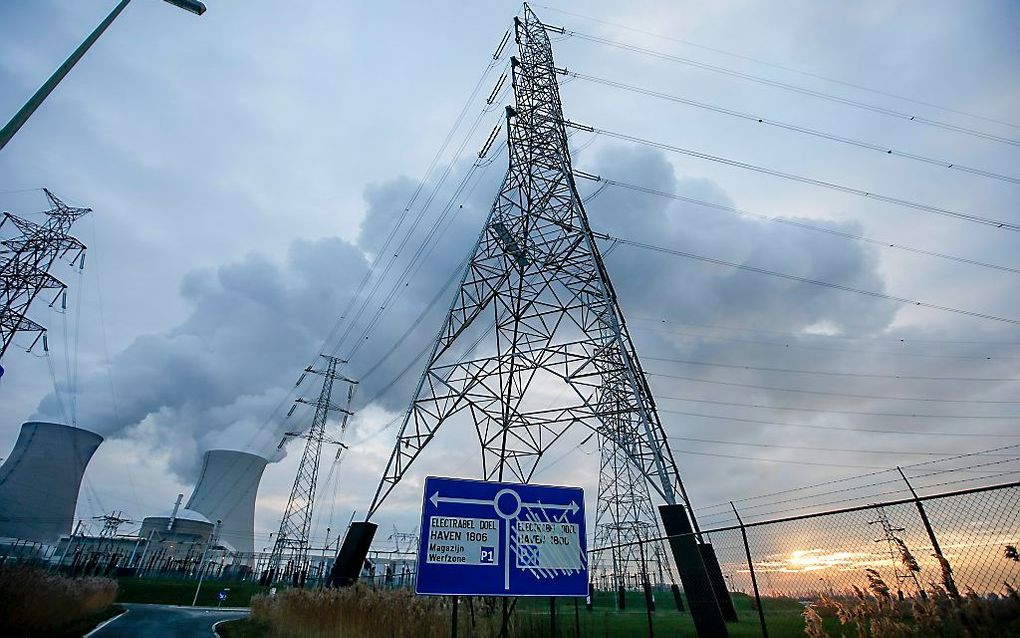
955 544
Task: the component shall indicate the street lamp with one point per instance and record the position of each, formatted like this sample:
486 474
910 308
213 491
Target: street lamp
188 5
36 100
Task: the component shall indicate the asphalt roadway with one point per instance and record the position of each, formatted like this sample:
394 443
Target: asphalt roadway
166 621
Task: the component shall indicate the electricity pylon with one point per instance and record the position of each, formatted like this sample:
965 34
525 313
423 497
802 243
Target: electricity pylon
25 262
625 521
558 352
111 523
295 526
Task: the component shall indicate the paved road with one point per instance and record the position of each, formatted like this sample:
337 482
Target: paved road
165 621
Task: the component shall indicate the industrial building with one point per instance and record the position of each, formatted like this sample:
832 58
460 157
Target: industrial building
39 481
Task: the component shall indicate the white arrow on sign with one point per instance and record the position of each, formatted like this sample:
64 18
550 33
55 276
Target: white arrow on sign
571 507
436 499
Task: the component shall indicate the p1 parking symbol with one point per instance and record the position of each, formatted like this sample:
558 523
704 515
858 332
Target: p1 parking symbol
488 556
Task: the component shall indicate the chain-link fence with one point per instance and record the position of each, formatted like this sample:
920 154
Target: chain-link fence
895 558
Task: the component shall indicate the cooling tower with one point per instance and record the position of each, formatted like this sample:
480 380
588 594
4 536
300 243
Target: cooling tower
39 481
226 492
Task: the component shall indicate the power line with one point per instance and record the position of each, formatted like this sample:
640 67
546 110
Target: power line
806 280
828 372
768 460
912 415
787 345
391 262
840 394
797 89
818 335
840 428
945 212
863 476
783 67
802 225
817 449
795 128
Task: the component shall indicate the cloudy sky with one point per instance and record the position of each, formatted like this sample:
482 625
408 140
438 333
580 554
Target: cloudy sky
247 167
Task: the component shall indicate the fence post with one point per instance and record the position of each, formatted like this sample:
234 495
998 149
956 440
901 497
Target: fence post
453 619
750 567
646 588
577 620
947 571
553 626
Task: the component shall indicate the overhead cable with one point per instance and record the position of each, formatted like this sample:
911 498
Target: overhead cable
793 344
796 128
760 406
926 432
826 335
821 449
827 373
804 226
806 280
935 210
784 67
874 108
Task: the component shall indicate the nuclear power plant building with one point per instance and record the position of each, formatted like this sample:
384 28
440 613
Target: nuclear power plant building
226 492
39 481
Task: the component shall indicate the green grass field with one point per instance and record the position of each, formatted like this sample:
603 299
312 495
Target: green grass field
181 592
783 617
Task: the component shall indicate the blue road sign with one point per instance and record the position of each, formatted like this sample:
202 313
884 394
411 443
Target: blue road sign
481 538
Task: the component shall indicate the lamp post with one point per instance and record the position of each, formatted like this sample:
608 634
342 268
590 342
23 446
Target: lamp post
36 100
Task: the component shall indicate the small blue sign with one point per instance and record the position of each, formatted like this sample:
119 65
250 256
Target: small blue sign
223 595
482 538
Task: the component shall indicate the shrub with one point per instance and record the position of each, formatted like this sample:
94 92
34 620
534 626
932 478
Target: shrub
34 602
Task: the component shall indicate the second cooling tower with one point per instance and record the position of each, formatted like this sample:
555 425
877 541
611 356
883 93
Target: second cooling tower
226 492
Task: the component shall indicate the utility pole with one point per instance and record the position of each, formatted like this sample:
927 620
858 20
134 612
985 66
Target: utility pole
205 553
44 91
295 526
25 262
70 541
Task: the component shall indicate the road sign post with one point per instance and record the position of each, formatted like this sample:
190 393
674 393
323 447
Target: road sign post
482 538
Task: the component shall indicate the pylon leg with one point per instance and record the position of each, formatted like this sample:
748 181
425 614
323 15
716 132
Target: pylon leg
690 564
352 554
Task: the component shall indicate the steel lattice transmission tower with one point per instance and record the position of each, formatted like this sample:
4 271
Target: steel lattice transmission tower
625 520
292 542
25 262
558 352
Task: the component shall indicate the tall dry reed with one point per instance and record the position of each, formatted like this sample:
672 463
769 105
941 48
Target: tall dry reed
34 602
875 613
364 612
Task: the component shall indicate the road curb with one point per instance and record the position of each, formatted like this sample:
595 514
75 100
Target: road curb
106 622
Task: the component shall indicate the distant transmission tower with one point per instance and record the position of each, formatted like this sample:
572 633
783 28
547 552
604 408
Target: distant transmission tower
625 520
905 567
556 331
292 542
25 262
111 523
404 542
